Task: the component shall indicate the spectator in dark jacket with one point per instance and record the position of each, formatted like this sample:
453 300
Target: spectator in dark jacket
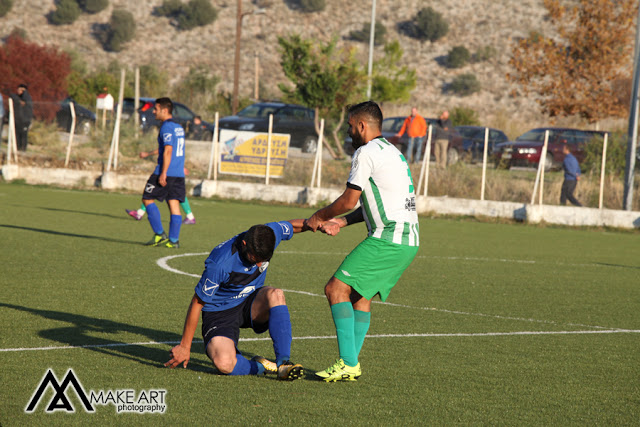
23 113
571 177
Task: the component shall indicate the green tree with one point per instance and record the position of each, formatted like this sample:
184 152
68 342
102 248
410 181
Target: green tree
310 6
122 29
363 35
576 70
616 154
198 88
465 84
197 13
5 7
458 57
430 25
67 11
390 81
463 116
170 8
93 6
324 78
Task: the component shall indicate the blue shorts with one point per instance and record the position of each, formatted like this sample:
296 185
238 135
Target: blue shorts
227 323
174 190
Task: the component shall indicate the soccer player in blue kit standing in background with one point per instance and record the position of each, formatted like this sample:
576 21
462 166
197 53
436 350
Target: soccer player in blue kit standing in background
167 181
231 295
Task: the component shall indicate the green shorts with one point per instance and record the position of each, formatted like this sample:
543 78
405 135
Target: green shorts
375 266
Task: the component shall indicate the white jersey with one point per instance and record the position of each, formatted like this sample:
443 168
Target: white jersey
388 198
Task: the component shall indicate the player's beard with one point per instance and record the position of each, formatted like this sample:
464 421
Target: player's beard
357 141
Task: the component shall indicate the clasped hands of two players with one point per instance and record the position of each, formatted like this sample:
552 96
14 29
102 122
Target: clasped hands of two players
330 227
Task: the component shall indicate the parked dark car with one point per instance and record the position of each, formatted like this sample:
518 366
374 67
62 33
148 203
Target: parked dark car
526 150
291 119
473 141
181 114
392 125
85 118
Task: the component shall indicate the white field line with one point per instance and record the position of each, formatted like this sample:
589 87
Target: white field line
162 262
326 337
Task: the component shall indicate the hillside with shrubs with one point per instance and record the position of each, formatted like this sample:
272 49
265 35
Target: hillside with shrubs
459 49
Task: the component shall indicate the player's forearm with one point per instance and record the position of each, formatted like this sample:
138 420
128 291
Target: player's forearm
352 218
341 205
191 322
298 225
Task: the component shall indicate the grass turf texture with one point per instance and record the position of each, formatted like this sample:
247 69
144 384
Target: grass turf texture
455 344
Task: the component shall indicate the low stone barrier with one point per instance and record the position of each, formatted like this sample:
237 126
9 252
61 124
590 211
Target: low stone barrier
566 215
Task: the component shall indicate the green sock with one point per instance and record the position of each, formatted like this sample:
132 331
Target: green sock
360 328
343 318
143 207
185 206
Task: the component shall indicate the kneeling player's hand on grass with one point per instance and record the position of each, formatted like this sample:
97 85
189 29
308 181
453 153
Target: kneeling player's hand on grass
330 227
179 355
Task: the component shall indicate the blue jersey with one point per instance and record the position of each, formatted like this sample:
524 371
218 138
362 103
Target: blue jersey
571 167
228 279
171 133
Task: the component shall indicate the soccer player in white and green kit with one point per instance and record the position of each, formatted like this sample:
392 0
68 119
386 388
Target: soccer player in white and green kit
381 180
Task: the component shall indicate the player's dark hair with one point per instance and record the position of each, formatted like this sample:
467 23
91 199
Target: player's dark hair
165 103
261 241
368 110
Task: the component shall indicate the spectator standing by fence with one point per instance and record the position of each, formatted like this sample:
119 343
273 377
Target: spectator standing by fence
443 132
23 113
416 129
571 177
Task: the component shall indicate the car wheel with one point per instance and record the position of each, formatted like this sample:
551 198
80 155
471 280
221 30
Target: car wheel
310 144
452 156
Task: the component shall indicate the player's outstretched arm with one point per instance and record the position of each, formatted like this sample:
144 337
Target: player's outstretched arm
343 204
298 225
182 352
333 226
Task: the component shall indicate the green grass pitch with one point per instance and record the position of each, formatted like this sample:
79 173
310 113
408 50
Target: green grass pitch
492 323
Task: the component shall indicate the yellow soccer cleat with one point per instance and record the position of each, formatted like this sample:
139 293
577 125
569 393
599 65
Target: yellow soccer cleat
340 372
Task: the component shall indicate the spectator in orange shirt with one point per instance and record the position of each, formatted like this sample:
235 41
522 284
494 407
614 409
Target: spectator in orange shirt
416 128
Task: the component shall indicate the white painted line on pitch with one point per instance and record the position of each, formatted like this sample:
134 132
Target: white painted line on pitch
327 337
162 262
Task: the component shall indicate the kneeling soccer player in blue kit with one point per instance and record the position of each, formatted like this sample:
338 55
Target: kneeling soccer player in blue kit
231 295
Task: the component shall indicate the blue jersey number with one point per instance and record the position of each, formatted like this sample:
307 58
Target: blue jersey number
180 148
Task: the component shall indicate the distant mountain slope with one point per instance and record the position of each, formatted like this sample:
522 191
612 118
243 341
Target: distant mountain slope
472 23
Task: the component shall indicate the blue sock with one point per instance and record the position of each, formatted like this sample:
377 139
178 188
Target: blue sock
361 326
343 318
153 213
280 331
174 227
246 367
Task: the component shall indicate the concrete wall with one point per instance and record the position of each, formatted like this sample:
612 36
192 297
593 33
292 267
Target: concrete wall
566 215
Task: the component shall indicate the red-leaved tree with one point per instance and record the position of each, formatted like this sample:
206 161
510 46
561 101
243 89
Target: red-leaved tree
44 69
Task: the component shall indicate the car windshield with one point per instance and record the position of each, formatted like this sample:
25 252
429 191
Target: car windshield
257 110
392 125
534 135
470 132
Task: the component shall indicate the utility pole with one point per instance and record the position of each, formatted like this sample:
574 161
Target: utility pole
236 62
633 127
372 34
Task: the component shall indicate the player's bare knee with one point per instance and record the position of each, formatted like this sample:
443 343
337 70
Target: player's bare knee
224 364
276 297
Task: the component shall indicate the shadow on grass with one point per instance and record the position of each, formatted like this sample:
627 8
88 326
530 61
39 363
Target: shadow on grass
82 330
617 265
124 215
59 233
